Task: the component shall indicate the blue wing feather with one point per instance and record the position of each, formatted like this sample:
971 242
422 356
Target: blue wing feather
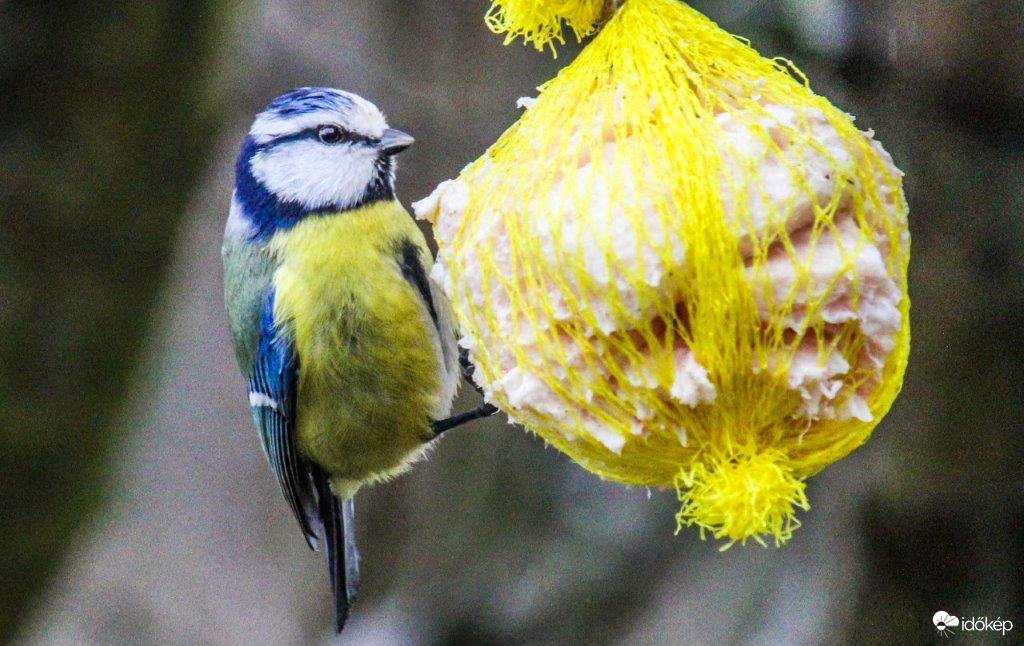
272 388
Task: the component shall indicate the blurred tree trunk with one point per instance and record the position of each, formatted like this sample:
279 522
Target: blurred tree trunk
106 120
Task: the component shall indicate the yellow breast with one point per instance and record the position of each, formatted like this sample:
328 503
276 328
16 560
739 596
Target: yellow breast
337 271
370 370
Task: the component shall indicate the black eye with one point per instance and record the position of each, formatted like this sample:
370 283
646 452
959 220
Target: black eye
329 134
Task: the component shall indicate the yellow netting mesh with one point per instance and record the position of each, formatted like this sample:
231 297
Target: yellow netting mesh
681 266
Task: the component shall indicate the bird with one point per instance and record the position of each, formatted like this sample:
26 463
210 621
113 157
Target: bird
347 346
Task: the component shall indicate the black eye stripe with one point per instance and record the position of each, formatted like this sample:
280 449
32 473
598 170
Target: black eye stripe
347 137
342 136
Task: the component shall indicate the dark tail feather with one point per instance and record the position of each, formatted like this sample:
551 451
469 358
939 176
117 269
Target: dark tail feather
340 541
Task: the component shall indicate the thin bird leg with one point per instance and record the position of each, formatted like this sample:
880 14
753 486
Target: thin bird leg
483 410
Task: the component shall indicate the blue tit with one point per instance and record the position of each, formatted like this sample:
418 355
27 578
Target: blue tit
346 343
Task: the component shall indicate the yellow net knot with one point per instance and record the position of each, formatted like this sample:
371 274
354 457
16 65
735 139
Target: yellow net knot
741 497
539 22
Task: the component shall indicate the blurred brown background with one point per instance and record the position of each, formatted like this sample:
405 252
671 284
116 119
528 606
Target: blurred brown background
135 505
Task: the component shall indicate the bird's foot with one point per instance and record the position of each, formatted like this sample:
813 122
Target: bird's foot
481 411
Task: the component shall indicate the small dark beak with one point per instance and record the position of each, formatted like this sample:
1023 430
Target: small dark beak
394 141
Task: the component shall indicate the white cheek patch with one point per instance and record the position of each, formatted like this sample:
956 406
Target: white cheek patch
314 174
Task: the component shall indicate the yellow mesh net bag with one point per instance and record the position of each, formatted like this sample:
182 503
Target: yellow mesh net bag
682 267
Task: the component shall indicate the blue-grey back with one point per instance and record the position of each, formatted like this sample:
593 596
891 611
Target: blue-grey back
248 271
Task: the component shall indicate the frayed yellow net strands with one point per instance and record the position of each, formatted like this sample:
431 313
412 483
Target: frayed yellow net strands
539 22
682 267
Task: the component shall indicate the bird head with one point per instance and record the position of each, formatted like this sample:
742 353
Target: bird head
313 150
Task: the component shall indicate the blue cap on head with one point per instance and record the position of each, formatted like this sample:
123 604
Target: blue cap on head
309 99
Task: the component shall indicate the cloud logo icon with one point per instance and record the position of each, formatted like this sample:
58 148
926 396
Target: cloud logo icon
944 622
